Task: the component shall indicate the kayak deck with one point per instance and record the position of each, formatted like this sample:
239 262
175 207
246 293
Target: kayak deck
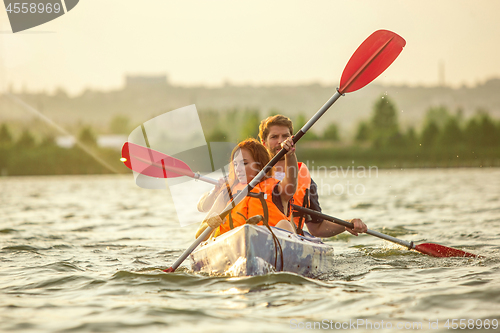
250 250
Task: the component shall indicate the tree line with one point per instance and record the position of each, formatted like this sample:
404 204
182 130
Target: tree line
244 123
441 129
444 139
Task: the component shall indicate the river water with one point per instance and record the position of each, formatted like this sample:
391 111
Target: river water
84 254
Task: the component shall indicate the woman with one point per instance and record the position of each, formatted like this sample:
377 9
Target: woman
269 198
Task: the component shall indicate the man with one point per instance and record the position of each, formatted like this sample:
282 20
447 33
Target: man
272 132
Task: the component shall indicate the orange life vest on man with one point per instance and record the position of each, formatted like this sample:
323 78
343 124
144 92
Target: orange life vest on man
252 205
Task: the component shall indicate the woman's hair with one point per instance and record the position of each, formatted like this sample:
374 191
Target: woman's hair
259 153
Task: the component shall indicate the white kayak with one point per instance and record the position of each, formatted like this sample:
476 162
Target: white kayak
252 250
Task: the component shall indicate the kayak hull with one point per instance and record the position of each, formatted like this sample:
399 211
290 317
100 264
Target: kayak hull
252 250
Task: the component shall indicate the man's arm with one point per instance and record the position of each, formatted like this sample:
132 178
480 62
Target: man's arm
327 229
323 228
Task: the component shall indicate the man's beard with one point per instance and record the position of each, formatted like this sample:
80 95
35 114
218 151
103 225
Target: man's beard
275 150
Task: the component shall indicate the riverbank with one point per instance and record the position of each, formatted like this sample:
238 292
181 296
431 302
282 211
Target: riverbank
53 160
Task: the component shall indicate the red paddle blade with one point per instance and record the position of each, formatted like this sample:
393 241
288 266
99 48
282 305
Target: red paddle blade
437 250
153 163
169 270
371 58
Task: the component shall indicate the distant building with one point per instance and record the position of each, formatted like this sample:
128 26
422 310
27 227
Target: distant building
113 141
145 81
66 141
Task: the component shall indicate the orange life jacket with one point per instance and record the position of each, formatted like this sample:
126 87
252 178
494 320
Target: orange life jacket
251 206
302 192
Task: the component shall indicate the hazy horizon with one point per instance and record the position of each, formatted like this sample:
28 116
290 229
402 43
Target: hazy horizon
255 43
201 85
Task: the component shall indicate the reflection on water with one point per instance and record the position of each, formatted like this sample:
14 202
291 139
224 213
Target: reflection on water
86 253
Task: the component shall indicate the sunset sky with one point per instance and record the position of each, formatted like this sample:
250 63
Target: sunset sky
248 42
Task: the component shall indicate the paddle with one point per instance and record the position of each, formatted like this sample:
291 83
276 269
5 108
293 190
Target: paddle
431 249
371 58
172 164
153 163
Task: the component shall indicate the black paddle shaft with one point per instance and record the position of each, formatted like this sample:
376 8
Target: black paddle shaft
409 245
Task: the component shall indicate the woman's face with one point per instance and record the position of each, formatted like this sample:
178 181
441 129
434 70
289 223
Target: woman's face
245 166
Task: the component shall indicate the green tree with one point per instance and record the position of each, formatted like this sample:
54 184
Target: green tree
481 131
363 132
26 140
397 140
472 133
48 141
87 136
384 122
429 135
489 136
331 133
460 116
411 138
5 136
301 121
232 115
438 115
498 129
120 125
452 134
273 112
250 125
210 118
217 135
